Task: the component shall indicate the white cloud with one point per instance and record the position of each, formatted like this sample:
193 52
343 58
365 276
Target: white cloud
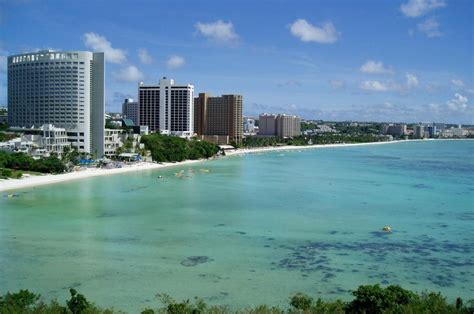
145 56
326 34
374 86
337 84
129 74
430 28
375 67
458 103
100 44
416 8
218 31
458 83
412 80
175 62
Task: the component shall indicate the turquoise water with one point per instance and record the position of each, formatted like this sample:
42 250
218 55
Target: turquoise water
254 229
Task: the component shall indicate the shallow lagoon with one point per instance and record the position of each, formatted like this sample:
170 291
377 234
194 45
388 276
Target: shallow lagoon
254 229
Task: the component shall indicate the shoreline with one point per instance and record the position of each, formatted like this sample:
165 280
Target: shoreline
33 181
243 151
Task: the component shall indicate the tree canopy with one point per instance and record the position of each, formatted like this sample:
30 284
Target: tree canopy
165 148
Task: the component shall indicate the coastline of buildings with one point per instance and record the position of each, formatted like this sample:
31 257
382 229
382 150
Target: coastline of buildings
56 99
63 92
426 130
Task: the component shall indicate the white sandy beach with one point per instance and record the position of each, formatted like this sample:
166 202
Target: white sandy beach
31 181
290 147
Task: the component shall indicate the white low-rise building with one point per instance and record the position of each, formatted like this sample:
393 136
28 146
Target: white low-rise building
39 142
112 141
53 139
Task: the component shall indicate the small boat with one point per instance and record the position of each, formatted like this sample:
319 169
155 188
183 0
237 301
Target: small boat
387 229
160 177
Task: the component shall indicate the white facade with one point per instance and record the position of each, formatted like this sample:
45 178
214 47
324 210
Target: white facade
62 88
38 142
459 132
167 107
112 141
249 125
53 139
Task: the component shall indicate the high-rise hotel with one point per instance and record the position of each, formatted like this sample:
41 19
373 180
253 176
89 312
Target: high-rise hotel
219 119
167 107
62 88
280 125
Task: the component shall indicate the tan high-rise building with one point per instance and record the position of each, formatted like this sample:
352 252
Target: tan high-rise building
288 126
219 119
267 124
280 125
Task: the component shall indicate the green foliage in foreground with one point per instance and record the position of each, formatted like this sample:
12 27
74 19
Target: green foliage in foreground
165 148
21 161
370 299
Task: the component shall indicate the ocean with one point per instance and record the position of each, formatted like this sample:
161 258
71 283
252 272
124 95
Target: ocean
251 229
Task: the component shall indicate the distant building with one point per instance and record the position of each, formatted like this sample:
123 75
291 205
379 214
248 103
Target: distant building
439 126
267 124
395 129
62 88
167 107
218 117
280 125
432 130
249 125
419 131
130 110
447 133
459 131
288 126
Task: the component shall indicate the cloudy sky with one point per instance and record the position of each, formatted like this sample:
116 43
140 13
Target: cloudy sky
384 60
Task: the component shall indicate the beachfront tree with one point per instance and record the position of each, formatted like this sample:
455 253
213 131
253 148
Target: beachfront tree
20 301
301 301
375 299
78 302
165 148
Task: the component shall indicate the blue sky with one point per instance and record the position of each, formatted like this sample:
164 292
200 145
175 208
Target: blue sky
379 60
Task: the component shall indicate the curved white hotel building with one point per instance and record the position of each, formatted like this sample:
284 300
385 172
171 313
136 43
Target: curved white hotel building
62 88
